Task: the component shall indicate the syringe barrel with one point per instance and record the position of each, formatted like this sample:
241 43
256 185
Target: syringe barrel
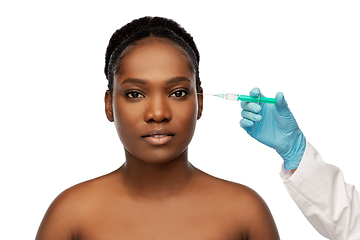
268 100
232 96
245 98
256 100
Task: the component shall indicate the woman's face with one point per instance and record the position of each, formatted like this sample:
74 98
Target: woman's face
154 104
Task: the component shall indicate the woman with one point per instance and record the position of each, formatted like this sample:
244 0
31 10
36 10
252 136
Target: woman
154 99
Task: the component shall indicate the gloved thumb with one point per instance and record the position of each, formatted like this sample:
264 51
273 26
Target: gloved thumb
281 103
255 92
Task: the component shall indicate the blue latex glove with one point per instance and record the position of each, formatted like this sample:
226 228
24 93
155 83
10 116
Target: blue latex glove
276 127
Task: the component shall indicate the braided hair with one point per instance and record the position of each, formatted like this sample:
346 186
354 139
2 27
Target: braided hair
142 28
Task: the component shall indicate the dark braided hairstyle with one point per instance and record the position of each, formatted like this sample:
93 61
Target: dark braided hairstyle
142 28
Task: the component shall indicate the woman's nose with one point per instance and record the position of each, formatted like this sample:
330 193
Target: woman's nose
158 110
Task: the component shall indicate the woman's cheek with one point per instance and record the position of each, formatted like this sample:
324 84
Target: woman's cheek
188 116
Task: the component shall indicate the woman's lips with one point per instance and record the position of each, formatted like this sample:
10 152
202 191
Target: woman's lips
158 137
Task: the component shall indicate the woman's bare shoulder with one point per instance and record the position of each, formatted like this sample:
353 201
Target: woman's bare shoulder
88 195
243 205
68 210
235 196
235 191
89 189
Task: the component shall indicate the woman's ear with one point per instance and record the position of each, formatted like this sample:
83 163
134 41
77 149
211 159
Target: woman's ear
200 102
108 106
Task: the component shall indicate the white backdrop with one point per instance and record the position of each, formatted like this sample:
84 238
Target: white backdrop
54 132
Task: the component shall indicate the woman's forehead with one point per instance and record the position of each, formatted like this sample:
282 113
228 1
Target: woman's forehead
155 59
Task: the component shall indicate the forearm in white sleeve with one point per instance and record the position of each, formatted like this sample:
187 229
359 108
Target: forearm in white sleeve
330 205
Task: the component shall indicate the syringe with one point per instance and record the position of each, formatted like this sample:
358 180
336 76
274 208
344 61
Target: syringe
244 98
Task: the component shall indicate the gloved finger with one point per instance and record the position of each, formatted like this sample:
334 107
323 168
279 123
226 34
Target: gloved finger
252 107
245 123
281 103
251 116
255 92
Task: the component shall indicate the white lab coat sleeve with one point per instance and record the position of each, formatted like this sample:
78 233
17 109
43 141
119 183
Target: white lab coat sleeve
329 204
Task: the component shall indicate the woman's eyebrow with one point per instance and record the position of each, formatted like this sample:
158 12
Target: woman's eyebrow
177 79
134 80
144 82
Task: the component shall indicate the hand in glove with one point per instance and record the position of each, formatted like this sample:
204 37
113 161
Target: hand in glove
276 127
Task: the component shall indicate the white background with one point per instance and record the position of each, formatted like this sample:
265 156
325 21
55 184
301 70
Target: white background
54 132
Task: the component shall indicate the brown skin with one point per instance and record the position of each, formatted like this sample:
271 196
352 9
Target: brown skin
157 193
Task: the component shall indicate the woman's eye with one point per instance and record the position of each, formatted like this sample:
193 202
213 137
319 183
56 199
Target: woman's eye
134 95
180 93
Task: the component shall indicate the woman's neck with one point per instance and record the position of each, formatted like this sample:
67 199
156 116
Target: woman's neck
152 180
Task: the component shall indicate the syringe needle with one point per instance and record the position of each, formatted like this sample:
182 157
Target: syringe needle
244 98
215 95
